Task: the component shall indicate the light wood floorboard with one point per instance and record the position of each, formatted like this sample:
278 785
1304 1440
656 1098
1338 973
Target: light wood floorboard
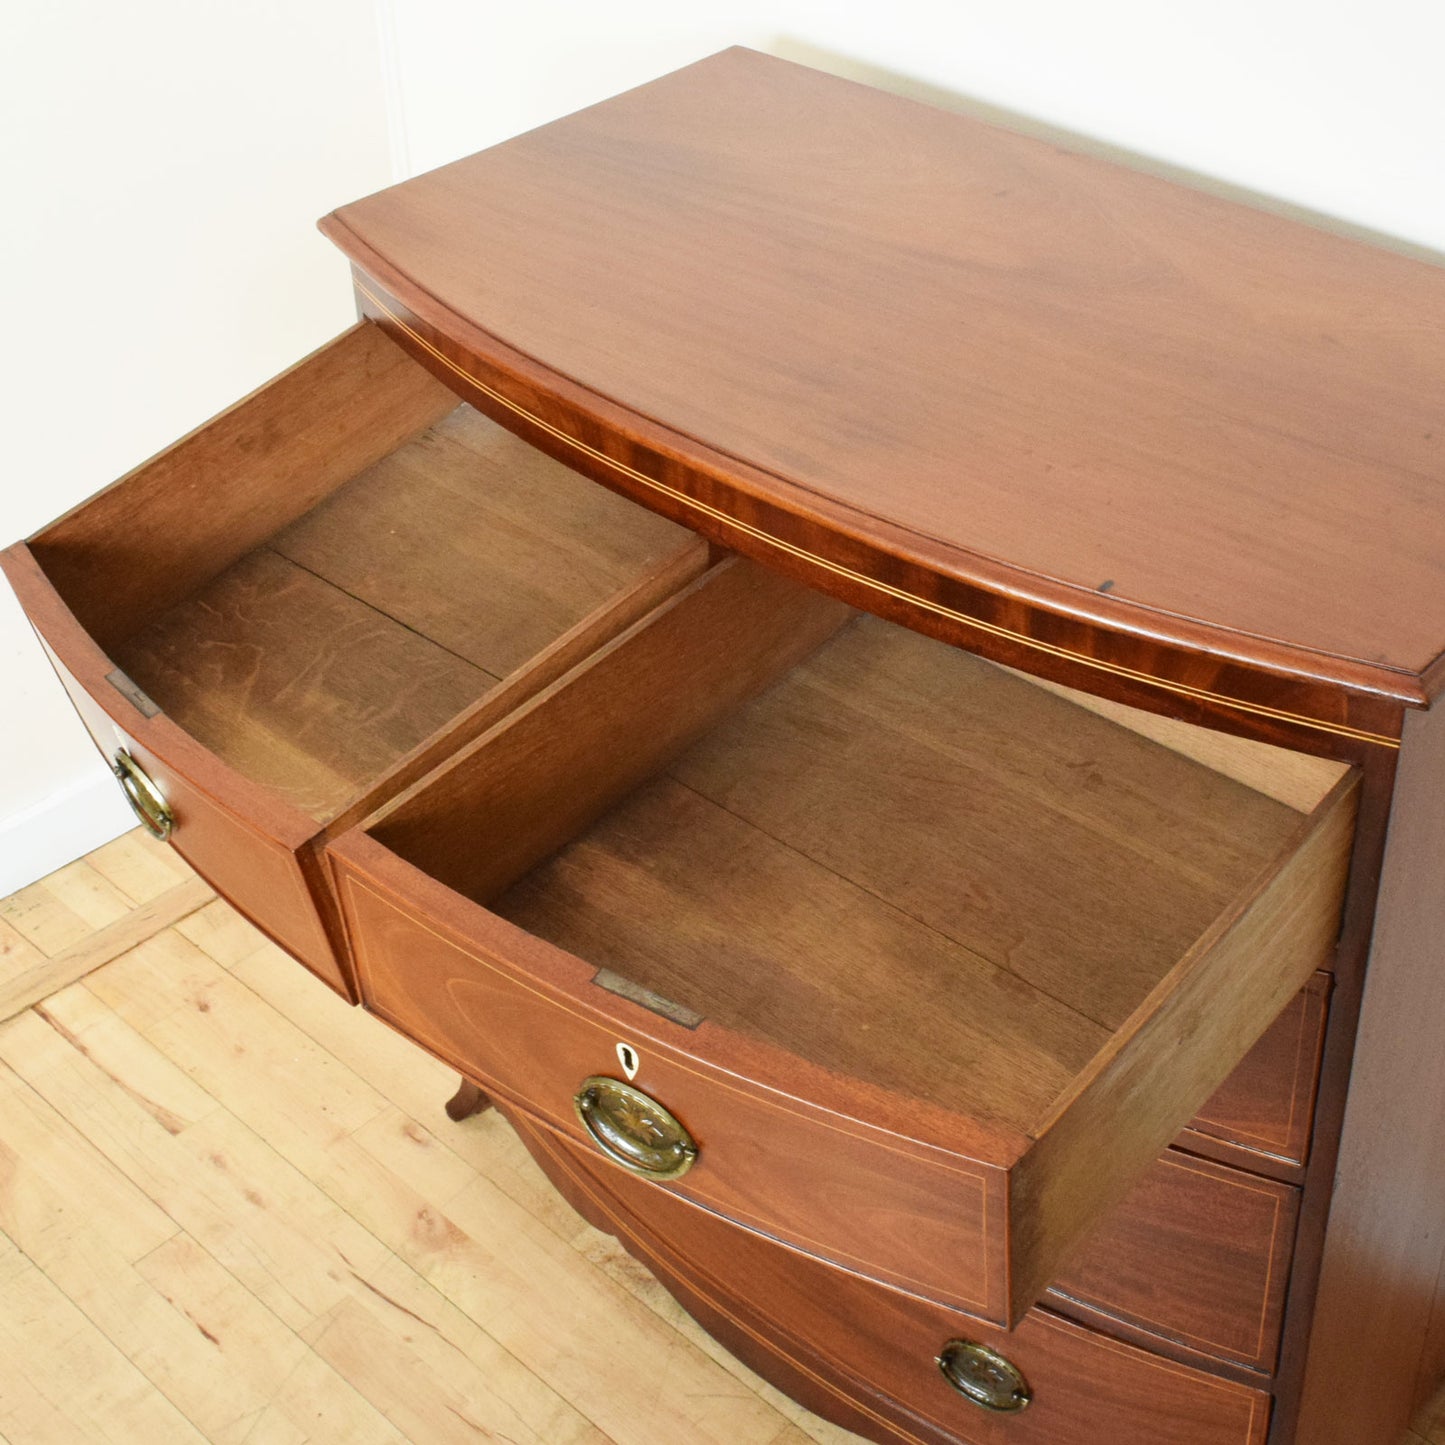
232 1210
65 926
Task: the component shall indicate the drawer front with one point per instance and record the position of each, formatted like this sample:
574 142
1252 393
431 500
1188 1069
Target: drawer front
822 1182
246 846
1197 1253
1267 1105
865 1355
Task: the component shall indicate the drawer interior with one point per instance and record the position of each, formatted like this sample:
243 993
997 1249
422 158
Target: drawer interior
899 861
356 612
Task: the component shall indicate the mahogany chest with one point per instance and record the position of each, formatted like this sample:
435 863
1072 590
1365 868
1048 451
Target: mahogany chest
869 681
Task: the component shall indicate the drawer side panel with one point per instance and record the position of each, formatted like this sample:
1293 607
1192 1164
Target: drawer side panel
1266 1106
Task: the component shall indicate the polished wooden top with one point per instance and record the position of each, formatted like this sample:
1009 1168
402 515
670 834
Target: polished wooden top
914 344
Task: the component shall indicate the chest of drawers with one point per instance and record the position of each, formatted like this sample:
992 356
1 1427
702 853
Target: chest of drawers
938 851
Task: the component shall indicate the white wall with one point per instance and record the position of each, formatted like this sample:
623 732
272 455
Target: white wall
166 160
164 163
1335 105
467 76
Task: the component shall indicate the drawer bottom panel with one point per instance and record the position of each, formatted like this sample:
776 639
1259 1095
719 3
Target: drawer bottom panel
865 1355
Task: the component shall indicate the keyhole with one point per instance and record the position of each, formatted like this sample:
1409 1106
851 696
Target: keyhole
627 1057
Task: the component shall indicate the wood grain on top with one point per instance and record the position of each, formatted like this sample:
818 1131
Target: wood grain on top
1079 387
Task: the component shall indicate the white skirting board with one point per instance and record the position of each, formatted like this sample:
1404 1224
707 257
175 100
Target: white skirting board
64 826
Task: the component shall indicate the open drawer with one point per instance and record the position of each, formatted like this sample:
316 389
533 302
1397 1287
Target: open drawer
855 939
293 613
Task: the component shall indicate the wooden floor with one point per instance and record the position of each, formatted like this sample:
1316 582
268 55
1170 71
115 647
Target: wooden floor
234 1211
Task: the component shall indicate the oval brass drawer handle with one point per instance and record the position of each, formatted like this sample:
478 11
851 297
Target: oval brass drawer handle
143 796
634 1129
983 1376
